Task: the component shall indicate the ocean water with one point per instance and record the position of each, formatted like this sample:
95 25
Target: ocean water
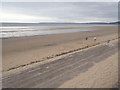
21 30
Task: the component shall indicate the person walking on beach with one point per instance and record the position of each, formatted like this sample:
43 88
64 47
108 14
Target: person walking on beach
94 38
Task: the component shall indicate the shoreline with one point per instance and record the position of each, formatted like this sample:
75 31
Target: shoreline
42 35
84 28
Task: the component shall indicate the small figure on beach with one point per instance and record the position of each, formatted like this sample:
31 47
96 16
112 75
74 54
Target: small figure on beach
94 38
86 38
108 41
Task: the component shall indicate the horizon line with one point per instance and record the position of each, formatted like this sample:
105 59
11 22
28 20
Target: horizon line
63 22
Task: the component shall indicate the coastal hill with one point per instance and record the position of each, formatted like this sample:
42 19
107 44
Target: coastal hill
118 22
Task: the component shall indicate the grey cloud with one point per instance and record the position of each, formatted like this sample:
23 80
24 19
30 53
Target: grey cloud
66 11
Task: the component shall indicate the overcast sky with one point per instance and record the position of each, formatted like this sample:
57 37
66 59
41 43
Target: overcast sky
59 12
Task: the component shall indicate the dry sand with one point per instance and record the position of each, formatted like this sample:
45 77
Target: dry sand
101 75
20 51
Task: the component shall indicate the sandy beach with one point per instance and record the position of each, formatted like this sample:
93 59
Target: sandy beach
101 75
23 51
59 45
66 60
93 67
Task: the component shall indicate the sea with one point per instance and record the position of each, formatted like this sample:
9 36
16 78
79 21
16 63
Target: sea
8 30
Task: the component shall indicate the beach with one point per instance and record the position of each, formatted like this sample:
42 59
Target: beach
93 67
59 45
23 51
101 75
67 60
